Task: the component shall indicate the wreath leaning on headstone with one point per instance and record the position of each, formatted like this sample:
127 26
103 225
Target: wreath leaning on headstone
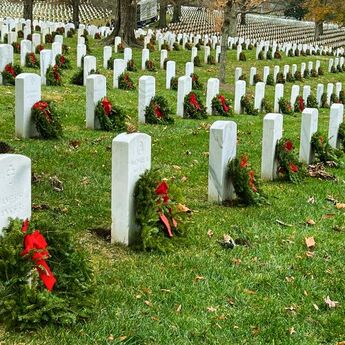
245 182
10 73
31 61
62 62
289 167
126 82
46 120
221 106
158 111
193 107
159 212
45 278
53 76
324 152
110 118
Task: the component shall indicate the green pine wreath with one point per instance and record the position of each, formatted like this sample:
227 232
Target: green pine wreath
53 76
110 118
289 167
158 111
341 136
62 62
324 152
221 106
245 182
126 82
25 301
31 61
193 107
46 120
159 213
10 73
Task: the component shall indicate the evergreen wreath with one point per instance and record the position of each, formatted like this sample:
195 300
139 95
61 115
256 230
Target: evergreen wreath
341 136
46 120
197 61
221 106
289 167
62 62
270 80
324 152
53 76
78 77
42 285
298 76
10 73
244 181
247 104
39 48
242 56
193 107
266 106
125 82
150 66
121 47
285 106
312 102
131 67
176 46
158 111
158 211
211 60
48 38
31 61
110 118
299 105
16 47
110 63
324 100
174 83
196 84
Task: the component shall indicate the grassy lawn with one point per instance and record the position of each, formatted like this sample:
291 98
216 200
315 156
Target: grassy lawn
270 292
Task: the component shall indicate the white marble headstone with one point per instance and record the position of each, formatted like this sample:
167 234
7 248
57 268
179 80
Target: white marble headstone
15 187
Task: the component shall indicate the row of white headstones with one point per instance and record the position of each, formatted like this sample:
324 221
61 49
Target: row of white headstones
28 92
131 157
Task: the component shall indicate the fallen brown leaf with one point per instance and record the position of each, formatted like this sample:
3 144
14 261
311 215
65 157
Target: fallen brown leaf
211 309
310 242
330 304
179 307
292 330
209 233
340 206
249 292
310 222
148 303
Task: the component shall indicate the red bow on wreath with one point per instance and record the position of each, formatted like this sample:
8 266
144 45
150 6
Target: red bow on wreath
106 106
10 70
158 111
162 191
194 101
223 103
36 244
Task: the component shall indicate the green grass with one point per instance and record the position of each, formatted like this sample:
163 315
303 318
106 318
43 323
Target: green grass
249 289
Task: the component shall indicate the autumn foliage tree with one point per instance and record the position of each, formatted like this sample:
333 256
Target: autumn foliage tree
325 10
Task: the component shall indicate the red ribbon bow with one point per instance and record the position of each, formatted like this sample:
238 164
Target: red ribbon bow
193 100
223 103
36 244
106 105
162 191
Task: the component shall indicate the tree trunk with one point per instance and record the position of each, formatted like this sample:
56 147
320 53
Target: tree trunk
125 22
28 9
163 14
229 29
75 5
318 30
243 18
177 14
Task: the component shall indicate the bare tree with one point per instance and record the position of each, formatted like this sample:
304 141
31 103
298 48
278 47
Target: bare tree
28 9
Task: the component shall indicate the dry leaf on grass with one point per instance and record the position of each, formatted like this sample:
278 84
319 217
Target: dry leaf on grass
340 206
211 309
331 304
209 233
310 242
310 222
